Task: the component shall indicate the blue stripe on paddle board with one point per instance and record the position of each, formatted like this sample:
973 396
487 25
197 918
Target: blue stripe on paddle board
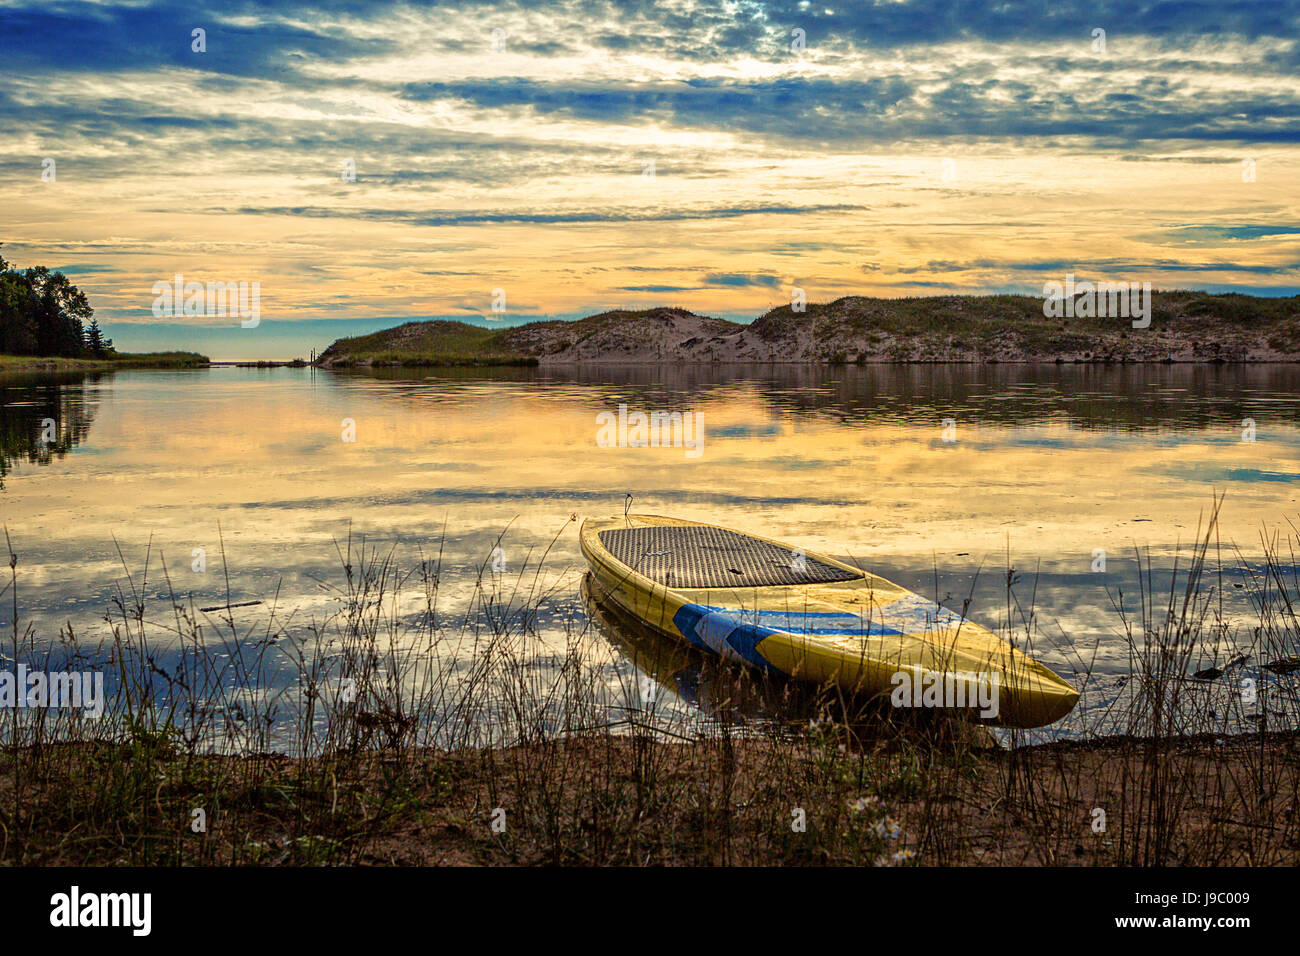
906 616
737 632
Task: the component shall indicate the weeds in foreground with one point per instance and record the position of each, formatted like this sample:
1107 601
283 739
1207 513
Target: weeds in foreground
399 730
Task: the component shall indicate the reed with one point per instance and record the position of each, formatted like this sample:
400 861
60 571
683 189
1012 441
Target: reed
404 727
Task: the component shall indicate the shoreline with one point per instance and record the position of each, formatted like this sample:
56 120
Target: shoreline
163 360
21 364
918 798
735 363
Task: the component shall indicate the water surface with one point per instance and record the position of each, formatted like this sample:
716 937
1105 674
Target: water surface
938 477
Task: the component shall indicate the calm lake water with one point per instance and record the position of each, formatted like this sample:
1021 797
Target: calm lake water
1035 469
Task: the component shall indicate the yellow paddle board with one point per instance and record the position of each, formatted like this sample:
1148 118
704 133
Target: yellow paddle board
810 617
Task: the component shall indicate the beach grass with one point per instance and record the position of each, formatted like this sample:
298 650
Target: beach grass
420 733
1184 325
22 363
425 344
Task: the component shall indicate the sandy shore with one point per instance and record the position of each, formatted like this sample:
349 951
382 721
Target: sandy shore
610 799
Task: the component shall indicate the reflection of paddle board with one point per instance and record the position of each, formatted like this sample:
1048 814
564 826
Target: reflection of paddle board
684 671
811 617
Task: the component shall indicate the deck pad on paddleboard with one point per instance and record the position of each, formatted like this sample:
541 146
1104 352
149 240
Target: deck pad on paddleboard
702 556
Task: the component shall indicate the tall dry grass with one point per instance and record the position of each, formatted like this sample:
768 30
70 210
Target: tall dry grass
401 728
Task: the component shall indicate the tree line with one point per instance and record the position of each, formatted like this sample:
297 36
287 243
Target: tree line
42 313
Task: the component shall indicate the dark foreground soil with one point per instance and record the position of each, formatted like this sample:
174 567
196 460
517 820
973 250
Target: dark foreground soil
609 799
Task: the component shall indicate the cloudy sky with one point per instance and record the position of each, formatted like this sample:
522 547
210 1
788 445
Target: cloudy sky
588 155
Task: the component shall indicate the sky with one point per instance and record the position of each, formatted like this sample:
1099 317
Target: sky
561 159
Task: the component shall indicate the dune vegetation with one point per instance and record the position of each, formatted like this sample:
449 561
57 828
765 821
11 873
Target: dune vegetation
424 343
1184 327
113 360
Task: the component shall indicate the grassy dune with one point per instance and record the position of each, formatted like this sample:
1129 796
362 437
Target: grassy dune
425 343
1185 327
1195 326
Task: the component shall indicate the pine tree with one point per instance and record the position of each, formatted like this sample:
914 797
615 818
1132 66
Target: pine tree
96 344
